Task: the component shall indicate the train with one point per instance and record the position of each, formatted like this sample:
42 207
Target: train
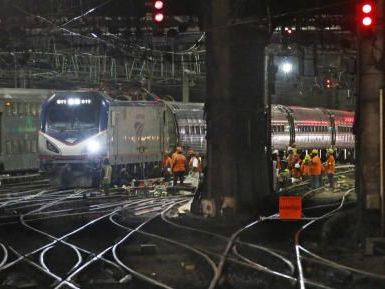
81 128
19 126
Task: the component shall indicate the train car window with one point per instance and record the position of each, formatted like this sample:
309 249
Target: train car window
192 130
33 109
34 146
27 109
14 108
22 146
25 145
182 130
8 147
198 129
20 108
15 147
187 129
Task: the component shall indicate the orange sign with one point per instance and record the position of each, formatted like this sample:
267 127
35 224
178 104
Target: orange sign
290 207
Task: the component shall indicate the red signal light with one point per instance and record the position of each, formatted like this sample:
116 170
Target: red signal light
366 14
366 8
158 11
159 17
367 21
158 4
328 83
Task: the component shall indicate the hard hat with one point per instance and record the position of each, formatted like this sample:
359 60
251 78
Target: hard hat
275 152
314 152
307 158
289 149
330 151
297 166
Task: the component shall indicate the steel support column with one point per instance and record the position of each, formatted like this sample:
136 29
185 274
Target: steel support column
237 120
371 57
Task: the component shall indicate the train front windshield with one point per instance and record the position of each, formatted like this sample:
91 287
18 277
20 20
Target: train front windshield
73 114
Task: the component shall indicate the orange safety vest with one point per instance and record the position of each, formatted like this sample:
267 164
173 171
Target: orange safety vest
330 165
292 159
296 173
315 166
167 162
305 169
179 163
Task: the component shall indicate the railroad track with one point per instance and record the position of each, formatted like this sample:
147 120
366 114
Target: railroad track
65 240
83 239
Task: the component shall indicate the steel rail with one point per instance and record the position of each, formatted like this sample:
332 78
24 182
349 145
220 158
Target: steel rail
34 264
97 257
301 278
140 275
230 244
5 256
169 240
267 250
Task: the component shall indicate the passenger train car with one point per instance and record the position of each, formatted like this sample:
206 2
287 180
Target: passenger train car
19 126
309 128
81 128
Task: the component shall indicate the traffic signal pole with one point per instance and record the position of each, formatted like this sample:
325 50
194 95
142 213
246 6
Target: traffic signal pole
371 83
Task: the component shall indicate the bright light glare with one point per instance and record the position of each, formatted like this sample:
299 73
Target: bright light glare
73 101
367 8
287 67
93 146
158 4
367 21
159 17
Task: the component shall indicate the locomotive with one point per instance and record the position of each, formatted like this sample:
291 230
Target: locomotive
80 128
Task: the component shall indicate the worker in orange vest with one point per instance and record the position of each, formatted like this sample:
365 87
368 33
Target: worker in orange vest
166 166
179 163
305 167
330 166
292 158
315 169
296 172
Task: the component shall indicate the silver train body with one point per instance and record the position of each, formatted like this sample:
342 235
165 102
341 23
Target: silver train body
313 128
82 128
19 126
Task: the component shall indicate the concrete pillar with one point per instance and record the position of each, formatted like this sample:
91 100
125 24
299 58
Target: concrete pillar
237 112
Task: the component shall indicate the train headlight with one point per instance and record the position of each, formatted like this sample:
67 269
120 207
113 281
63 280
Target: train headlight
93 146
